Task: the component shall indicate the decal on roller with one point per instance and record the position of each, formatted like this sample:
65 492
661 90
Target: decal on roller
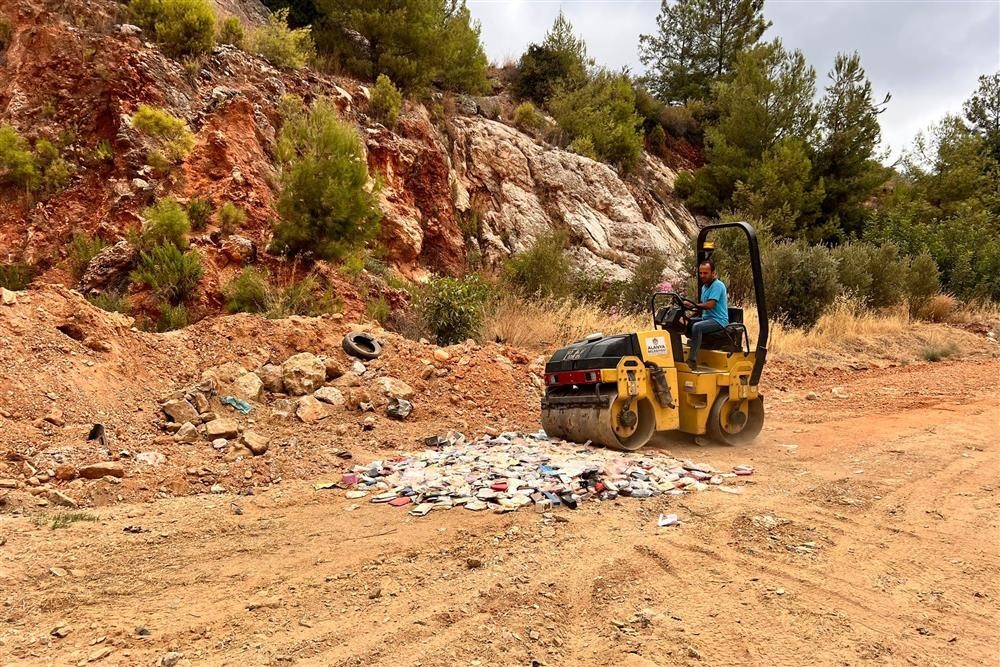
656 345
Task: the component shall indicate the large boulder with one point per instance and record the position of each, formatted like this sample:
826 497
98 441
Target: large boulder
303 374
108 267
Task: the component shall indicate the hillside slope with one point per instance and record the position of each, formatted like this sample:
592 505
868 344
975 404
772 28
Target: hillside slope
75 71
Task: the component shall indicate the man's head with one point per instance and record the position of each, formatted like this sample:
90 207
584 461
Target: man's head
706 271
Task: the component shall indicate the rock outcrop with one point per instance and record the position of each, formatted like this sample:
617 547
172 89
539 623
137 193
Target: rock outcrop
521 189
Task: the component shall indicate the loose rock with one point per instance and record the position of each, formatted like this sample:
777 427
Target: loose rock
180 411
310 410
330 395
394 388
303 374
399 408
103 469
257 444
222 428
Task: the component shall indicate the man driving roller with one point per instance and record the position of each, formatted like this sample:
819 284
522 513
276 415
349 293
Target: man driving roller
713 309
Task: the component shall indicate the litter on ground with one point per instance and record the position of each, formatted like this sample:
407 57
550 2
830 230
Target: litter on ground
513 470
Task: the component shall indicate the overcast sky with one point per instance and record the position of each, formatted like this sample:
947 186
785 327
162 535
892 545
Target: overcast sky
927 53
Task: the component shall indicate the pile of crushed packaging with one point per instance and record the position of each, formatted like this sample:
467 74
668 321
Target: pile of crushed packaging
512 470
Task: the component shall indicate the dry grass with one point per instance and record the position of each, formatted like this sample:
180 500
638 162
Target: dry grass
545 325
846 335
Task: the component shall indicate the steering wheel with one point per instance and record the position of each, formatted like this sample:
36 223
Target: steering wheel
679 300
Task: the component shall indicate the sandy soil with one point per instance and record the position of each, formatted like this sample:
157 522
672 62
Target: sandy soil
868 535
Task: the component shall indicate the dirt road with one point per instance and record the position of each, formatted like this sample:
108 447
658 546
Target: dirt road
868 534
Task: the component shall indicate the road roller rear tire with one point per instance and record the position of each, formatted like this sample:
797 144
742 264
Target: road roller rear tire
725 430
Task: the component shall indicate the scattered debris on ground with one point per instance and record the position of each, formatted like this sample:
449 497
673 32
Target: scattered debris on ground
506 472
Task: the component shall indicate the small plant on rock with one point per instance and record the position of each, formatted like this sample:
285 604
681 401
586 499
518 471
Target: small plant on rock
172 318
82 249
169 134
17 164
111 301
16 277
6 33
168 271
182 27
527 117
199 211
248 292
543 270
281 45
231 217
386 101
166 223
327 204
232 32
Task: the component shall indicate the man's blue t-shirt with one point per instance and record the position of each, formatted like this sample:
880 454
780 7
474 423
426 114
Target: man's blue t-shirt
716 291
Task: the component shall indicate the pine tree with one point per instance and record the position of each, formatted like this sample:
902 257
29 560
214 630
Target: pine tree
416 43
845 158
696 44
983 111
560 60
768 99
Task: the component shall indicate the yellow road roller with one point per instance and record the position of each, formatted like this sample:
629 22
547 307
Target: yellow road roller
618 391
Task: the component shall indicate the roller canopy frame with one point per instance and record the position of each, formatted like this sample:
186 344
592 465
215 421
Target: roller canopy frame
758 286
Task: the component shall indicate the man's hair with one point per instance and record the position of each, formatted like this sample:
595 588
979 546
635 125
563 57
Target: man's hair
710 262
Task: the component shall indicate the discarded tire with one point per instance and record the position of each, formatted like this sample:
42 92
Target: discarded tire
361 345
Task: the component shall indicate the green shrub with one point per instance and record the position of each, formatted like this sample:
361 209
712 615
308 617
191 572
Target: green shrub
170 135
305 297
232 32
854 269
889 270
55 171
543 270
378 309
527 117
166 222
634 293
680 122
112 301
801 282
182 27
103 153
17 164
16 277
199 211
657 138
248 292
82 249
922 282
231 217
171 273
938 351
280 45
603 112
6 33
172 318
386 101
326 203
584 146
453 307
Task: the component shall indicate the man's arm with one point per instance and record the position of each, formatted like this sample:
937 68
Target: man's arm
708 305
